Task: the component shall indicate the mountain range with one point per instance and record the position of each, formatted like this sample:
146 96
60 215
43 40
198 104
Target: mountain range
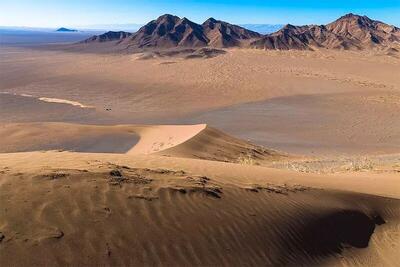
351 31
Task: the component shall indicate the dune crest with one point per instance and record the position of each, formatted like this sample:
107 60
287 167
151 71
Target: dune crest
184 141
158 138
213 144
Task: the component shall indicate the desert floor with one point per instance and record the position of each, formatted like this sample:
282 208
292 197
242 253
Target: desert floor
249 158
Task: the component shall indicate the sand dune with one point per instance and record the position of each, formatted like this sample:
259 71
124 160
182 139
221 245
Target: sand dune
158 138
168 201
132 139
136 139
212 144
121 210
187 141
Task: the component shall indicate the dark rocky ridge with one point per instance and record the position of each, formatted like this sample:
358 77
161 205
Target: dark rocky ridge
348 32
108 36
223 34
168 31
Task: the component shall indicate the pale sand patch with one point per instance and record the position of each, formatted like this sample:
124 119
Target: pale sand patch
50 100
63 101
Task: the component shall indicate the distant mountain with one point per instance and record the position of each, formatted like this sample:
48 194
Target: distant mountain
65 30
348 32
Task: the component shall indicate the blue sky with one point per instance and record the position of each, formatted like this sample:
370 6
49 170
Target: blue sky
55 13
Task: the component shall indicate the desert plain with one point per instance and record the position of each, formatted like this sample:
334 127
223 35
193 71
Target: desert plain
253 157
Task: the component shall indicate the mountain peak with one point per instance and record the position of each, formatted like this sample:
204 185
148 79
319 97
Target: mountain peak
354 17
167 18
350 15
289 26
186 20
210 20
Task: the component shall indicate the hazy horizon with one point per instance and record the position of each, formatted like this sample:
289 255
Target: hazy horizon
91 13
261 28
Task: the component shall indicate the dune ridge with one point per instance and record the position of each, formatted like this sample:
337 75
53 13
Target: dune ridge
213 144
186 141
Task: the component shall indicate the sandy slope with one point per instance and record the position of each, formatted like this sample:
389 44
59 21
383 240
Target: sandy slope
117 209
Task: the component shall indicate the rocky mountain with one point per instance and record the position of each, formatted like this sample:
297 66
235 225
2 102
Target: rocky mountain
223 34
362 31
301 38
348 32
168 31
108 36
